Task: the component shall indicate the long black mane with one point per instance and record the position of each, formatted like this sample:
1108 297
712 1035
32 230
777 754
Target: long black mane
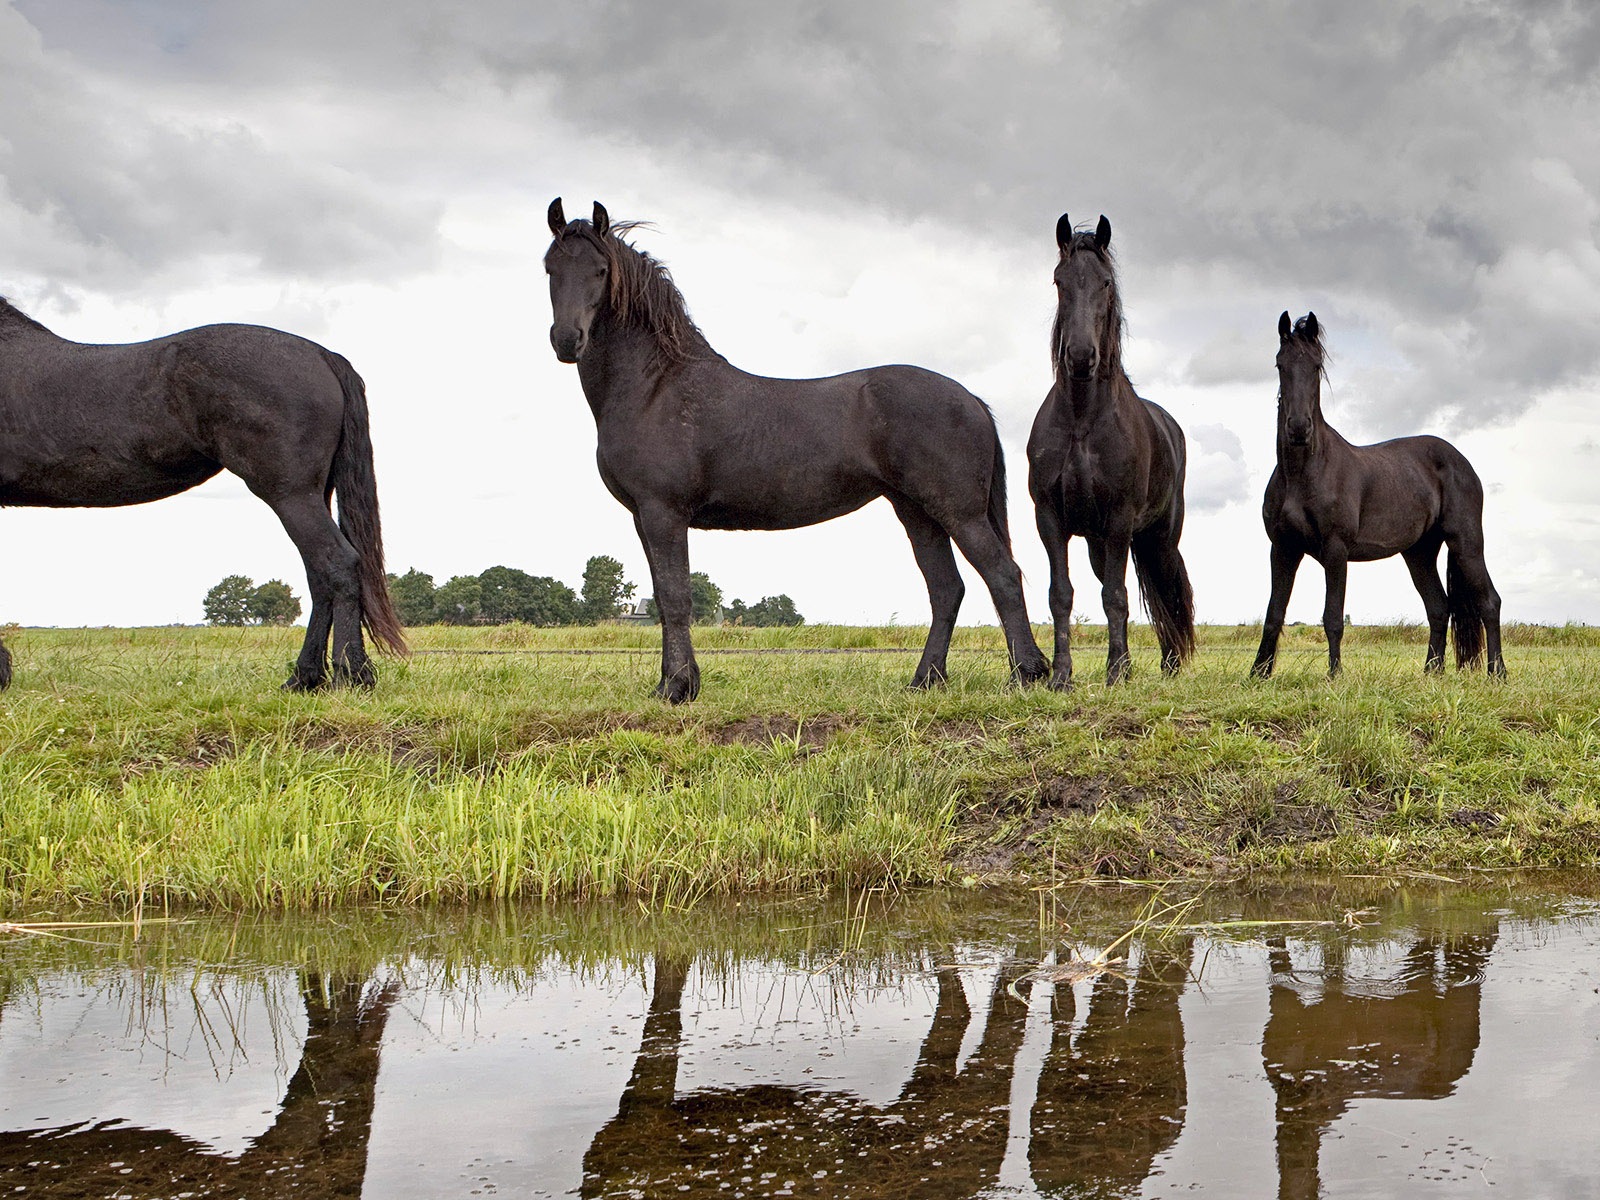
643 293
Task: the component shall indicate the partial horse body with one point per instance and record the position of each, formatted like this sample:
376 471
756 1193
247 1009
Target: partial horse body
686 440
1107 466
89 426
1341 504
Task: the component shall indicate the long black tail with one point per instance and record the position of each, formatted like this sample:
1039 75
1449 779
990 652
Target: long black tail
356 485
1466 622
1168 598
998 519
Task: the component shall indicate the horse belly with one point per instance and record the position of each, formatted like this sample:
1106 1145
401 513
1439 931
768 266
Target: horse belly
94 480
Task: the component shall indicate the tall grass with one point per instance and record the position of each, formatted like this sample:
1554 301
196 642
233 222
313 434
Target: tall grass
163 766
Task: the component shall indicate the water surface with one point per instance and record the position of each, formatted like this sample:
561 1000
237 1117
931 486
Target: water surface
1377 1039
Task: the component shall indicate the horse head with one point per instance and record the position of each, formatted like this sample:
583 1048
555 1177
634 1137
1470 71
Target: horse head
1087 338
1300 360
580 278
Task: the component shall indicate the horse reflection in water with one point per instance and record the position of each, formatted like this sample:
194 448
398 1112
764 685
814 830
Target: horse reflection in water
1109 1102
317 1145
1332 1038
1112 1094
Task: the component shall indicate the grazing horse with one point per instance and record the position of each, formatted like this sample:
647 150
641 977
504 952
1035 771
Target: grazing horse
85 426
688 440
1106 466
1341 504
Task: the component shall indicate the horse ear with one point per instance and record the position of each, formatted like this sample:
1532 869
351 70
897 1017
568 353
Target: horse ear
602 219
556 217
1102 233
1285 326
1311 325
1064 232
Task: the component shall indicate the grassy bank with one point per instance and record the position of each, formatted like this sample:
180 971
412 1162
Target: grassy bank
164 764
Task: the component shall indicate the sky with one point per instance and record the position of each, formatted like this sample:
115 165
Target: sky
833 185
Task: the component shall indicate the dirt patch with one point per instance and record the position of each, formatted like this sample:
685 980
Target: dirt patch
1001 831
810 732
1480 819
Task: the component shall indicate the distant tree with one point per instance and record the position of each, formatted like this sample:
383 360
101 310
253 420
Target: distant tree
737 613
273 603
413 595
773 610
508 594
458 601
705 598
229 602
604 590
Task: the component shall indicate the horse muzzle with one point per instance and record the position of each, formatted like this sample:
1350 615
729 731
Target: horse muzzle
569 344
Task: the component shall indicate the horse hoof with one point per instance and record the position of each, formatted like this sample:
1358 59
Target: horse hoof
1031 673
925 681
363 677
1262 670
296 684
680 689
1060 683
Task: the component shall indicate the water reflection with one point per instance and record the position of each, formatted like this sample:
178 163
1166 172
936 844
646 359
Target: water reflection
799 1053
317 1143
1400 1021
943 1135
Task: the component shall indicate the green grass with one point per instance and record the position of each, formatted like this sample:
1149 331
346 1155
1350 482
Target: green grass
163 766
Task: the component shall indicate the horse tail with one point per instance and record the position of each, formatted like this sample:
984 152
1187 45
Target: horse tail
998 519
1168 598
1466 622
354 482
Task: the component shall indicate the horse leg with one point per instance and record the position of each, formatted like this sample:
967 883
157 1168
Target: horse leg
931 545
1336 564
333 576
1285 562
665 538
1422 560
1055 548
5 667
1110 562
985 551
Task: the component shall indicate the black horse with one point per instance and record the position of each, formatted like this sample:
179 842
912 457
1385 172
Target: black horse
1106 466
688 440
1341 504
102 426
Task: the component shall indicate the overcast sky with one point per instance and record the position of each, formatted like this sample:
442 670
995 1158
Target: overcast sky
833 185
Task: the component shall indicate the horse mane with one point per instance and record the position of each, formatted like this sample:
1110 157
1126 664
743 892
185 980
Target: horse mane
11 315
1083 241
643 293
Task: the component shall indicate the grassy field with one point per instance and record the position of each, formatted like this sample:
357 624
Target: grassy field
163 766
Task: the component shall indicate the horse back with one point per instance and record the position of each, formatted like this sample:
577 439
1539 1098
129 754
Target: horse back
93 425
742 451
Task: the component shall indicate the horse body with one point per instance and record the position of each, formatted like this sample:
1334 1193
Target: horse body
1340 503
1107 466
92 426
687 440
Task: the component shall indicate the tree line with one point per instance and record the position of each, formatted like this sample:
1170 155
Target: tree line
501 595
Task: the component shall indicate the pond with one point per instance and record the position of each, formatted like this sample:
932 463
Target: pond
1344 1039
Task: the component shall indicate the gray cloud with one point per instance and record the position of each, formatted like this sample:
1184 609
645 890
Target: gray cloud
1427 174
101 191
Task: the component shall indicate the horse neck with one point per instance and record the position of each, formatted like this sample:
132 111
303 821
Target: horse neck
1084 404
621 357
1326 445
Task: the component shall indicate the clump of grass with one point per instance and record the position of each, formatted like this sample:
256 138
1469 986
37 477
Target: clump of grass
164 767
